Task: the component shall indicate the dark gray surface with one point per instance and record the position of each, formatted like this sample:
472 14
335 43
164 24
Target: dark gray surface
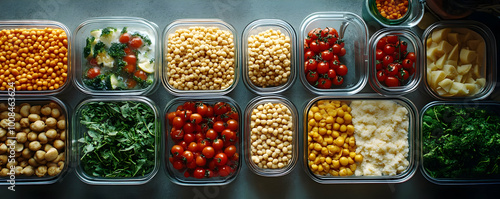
247 185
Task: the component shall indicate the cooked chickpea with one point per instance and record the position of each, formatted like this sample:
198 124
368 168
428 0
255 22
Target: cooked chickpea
201 58
3 159
41 171
28 171
51 154
51 122
61 124
37 126
4 172
42 138
46 110
25 110
51 133
55 113
35 146
35 109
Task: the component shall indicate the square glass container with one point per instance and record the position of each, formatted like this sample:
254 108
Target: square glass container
413 45
328 178
83 115
471 43
214 51
49 103
353 31
134 79
183 107
54 63
270 45
277 116
471 158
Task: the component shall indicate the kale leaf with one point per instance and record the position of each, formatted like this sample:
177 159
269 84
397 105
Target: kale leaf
88 46
99 47
116 50
101 82
107 31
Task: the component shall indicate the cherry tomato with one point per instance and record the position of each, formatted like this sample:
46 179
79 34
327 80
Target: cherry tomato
379 65
231 114
391 81
324 32
314 46
379 54
135 42
314 33
130 59
189 105
200 161
128 51
93 72
230 151
323 67
188 128
331 39
141 75
335 64
402 45
312 77
392 39
309 55
202 109
324 83
323 46
336 49
187 156
403 74
183 144
342 52
225 171
211 134
389 49
189 137
176 151
203 143
338 80
232 125
307 41
331 74
124 38
342 70
220 108
235 157
411 56
333 32
176 134
191 165
381 76
178 164
208 152
387 60
93 62
193 146
129 69
219 126
381 43
220 159
218 144
210 111
327 55
170 117
311 64
178 122
407 63
392 70
187 174
199 173
195 118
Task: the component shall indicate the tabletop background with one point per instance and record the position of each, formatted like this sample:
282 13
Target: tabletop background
296 184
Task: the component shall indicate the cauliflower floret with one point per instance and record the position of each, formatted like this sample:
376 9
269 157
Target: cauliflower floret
104 59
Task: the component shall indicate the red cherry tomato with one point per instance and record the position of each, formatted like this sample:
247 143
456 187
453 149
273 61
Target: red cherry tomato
379 65
178 164
403 74
129 69
335 64
392 39
314 46
381 43
193 146
342 70
379 54
178 122
381 76
141 75
392 70
135 42
323 46
219 126
232 125
309 55
230 150
189 137
93 72
411 56
391 81
218 144
311 64
199 173
314 33
93 62
402 45
208 152
187 156
327 55
339 80
176 151
188 128
195 118
225 171
407 63
200 161
331 74
211 134
220 108
323 67
324 83
312 77
387 60
389 49
130 59
342 52
336 49
220 159
124 38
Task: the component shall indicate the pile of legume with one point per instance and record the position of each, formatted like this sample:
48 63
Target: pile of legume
331 142
201 58
271 136
269 58
392 9
34 59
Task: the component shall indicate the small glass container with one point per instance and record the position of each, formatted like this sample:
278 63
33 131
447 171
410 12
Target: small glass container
41 24
492 107
353 31
468 40
80 131
64 111
262 101
118 82
413 45
201 24
254 29
402 176
410 19
234 162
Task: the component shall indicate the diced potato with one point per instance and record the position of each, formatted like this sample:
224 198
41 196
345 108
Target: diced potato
441 91
428 41
451 62
444 47
467 56
476 73
458 88
439 35
441 61
446 84
450 71
473 43
473 88
454 53
481 82
436 77
467 36
464 69
458 78
433 53
453 38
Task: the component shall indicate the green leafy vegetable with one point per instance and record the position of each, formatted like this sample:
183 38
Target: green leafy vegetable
88 46
124 30
144 38
100 82
461 142
116 50
120 139
107 31
99 47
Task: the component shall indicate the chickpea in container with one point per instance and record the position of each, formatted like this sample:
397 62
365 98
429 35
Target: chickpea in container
200 57
40 139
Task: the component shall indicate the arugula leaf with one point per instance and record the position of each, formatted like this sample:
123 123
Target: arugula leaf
120 139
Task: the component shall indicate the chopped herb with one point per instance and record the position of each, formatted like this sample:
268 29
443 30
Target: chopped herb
116 50
107 31
124 30
88 46
99 47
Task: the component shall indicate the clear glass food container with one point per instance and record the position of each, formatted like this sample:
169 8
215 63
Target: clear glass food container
474 178
254 29
46 179
253 105
40 24
214 177
410 19
460 32
353 31
414 45
80 131
402 176
202 23
118 83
